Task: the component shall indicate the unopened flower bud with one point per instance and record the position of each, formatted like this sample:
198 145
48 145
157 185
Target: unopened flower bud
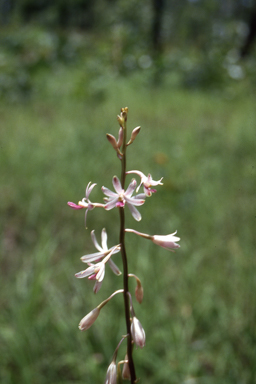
138 333
112 140
120 120
139 292
89 319
120 137
126 375
111 374
133 135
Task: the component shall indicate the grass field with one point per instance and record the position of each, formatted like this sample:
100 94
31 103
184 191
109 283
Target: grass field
199 310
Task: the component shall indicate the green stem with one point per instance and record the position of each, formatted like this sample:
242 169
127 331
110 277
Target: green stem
125 266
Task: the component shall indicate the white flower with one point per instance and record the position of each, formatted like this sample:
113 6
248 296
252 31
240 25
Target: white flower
147 182
103 250
167 241
111 374
120 197
97 271
138 333
89 319
86 203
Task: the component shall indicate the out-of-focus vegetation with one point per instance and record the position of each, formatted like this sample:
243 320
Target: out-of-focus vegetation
64 74
197 45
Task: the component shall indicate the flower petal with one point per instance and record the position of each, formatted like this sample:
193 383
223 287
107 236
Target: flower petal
117 185
104 238
111 204
108 192
114 267
97 286
95 242
134 201
74 206
88 190
86 272
101 273
135 213
131 187
92 257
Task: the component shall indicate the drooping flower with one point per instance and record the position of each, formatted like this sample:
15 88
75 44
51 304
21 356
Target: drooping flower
120 197
138 333
86 203
89 319
111 374
147 182
167 241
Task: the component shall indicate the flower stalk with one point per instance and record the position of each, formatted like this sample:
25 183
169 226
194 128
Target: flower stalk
123 251
97 261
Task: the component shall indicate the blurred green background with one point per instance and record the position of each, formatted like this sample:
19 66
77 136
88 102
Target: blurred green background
187 72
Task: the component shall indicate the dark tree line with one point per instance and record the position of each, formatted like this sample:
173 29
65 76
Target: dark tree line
90 14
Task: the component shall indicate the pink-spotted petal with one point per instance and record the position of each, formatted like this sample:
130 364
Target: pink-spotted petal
117 185
131 188
134 201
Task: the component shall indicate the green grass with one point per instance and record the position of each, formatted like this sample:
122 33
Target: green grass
199 309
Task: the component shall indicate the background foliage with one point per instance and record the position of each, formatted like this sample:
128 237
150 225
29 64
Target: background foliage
66 68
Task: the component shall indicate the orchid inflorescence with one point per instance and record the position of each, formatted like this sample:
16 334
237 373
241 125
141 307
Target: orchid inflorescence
96 262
